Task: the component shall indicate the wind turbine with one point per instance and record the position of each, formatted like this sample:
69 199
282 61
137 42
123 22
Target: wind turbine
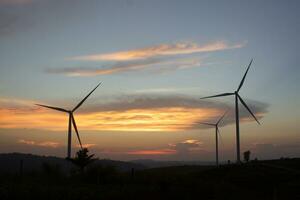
237 99
71 120
216 125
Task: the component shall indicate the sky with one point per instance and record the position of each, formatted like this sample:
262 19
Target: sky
155 60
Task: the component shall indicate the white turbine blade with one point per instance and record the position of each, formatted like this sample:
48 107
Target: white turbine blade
76 130
243 79
242 101
209 124
54 108
220 137
221 118
81 102
218 95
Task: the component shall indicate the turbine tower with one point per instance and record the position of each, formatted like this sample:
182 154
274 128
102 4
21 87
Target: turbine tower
216 125
71 120
238 99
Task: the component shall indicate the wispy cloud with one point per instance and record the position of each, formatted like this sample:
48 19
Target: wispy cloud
87 145
16 106
16 103
41 144
187 146
156 59
28 142
153 65
161 50
164 90
181 148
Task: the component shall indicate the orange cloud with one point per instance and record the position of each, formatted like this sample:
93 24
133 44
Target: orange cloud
28 142
42 144
159 119
153 152
145 114
86 145
188 146
184 147
191 141
155 119
161 50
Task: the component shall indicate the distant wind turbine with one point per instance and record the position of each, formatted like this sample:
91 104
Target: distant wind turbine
71 120
237 99
216 125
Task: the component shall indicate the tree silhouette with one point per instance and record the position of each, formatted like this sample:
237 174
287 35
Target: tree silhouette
247 156
82 159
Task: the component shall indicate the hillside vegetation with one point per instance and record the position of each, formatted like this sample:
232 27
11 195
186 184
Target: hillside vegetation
274 179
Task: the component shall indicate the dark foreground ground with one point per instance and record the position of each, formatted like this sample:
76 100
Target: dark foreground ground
276 179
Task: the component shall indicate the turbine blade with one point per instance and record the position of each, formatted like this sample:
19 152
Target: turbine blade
243 79
220 137
76 130
242 101
209 124
81 102
54 108
218 95
221 117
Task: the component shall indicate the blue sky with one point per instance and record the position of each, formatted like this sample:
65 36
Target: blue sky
38 36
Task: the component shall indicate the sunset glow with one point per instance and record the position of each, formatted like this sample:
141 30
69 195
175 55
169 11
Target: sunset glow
159 119
153 152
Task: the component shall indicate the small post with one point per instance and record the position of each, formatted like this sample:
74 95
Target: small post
217 149
21 168
132 173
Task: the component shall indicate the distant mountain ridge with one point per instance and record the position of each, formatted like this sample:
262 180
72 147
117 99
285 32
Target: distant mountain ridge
11 162
155 163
